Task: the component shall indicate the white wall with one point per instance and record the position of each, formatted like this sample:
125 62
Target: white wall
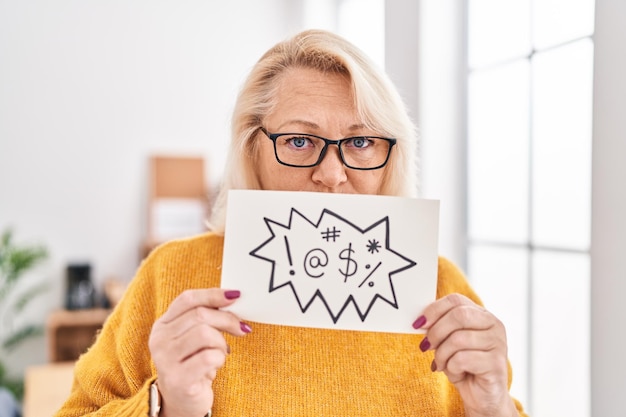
425 58
608 238
88 90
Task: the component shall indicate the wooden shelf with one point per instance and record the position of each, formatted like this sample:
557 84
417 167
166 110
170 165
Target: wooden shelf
72 332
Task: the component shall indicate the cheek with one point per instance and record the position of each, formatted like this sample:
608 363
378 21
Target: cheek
367 182
282 178
265 167
277 177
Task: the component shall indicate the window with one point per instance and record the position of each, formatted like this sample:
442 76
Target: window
362 22
529 189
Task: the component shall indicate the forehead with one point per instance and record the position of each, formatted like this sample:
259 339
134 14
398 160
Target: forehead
314 96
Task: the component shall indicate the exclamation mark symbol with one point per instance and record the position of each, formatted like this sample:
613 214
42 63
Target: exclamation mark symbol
291 271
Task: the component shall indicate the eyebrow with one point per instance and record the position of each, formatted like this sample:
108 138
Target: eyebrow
315 126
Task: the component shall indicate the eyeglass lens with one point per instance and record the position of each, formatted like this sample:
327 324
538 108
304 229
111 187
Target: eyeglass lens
358 152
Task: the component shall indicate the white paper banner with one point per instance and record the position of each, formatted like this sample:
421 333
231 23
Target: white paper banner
337 261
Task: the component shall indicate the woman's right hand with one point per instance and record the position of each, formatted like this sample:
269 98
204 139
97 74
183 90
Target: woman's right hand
188 347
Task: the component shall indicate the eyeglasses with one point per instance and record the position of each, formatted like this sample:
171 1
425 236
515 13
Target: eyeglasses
302 150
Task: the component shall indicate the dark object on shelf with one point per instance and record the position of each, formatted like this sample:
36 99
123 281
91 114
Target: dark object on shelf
80 289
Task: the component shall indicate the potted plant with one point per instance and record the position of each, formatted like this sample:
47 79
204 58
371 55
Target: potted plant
15 261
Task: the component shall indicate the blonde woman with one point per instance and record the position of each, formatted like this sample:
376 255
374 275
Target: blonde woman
314 115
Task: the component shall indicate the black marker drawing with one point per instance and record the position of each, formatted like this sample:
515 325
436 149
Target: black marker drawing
373 246
315 258
331 234
332 260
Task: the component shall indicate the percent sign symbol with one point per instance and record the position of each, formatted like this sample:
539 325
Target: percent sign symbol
371 283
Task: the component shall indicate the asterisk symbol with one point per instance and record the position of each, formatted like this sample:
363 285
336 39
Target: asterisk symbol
373 245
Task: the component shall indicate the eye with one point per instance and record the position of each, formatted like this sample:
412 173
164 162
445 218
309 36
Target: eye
359 142
298 141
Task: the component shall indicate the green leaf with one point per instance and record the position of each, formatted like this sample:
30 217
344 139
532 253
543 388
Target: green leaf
15 260
17 337
27 296
18 260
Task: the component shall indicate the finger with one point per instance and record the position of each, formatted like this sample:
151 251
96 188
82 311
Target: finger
222 320
190 299
198 329
198 338
477 363
206 362
192 379
481 340
434 311
469 341
461 318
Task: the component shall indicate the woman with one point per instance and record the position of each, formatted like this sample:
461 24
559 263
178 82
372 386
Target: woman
168 340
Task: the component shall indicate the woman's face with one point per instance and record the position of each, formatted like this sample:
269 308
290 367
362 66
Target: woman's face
312 102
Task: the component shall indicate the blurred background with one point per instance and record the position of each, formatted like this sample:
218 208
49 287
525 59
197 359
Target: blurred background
520 106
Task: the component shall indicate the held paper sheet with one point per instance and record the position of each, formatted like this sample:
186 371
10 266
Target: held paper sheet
336 261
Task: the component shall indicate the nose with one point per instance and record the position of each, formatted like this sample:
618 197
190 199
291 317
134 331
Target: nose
331 172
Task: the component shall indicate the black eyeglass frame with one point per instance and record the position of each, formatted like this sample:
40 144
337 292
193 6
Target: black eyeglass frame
274 136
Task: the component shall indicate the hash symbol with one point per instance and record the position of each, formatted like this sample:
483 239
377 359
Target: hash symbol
330 234
373 246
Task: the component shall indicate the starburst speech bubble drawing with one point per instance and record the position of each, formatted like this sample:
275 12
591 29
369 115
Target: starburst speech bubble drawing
330 261
328 251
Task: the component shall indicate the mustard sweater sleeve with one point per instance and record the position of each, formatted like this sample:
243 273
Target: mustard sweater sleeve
113 377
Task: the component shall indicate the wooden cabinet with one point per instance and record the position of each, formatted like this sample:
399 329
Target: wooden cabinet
46 387
72 332
179 199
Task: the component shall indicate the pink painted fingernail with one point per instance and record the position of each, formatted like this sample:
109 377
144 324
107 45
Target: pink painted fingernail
433 366
245 327
232 294
425 345
421 320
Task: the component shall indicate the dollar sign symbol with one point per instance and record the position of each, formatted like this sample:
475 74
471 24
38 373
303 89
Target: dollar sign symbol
350 270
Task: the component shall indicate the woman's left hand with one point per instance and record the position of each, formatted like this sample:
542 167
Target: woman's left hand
471 349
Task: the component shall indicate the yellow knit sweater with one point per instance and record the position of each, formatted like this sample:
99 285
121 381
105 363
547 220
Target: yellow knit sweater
273 371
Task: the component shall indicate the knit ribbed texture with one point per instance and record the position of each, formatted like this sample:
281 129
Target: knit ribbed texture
273 371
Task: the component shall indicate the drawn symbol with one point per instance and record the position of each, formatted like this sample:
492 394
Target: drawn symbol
371 283
373 246
330 234
349 261
315 258
291 271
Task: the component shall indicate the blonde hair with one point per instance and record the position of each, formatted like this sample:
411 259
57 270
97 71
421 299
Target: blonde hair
377 102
